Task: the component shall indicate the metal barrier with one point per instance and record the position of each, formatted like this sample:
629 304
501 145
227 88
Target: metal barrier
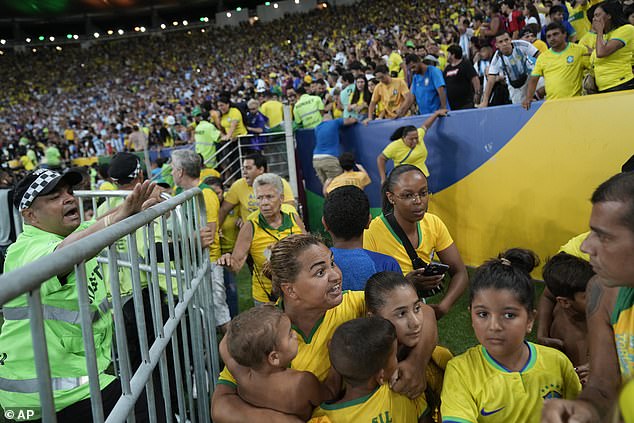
189 325
279 150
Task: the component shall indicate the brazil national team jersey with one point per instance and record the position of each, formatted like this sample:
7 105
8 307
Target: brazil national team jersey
478 389
382 405
312 352
623 325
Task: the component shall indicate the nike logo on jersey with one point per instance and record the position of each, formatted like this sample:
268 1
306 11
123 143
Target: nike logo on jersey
488 413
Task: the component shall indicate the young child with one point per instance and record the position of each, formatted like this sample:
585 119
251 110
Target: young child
258 349
363 352
346 216
566 277
506 378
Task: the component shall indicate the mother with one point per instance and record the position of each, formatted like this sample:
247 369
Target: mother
308 281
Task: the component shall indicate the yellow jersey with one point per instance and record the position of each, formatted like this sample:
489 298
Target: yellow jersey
478 389
392 96
233 115
540 45
578 20
562 71
356 178
264 237
107 186
615 69
432 235
242 194
312 351
401 154
623 326
382 405
626 405
573 247
274 110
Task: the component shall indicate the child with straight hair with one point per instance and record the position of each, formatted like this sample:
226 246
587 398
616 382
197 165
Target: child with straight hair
363 352
505 379
258 349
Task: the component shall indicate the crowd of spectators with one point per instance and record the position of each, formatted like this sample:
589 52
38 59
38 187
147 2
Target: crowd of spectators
111 97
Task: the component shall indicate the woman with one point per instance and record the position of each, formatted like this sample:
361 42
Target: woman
360 99
408 146
380 107
531 15
612 57
230 120
308 281
266 226
405 201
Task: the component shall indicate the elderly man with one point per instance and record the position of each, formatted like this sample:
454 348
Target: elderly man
52 222
610 304
186 166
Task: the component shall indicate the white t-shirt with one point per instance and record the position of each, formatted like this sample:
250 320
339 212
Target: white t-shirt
520 62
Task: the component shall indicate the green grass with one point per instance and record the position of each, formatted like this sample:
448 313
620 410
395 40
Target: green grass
454 329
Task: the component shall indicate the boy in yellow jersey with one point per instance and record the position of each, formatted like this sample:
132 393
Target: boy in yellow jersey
562 67
363 352
258 349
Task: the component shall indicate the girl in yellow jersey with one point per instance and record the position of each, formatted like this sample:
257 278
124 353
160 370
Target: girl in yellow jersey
506 378
391 296
263 229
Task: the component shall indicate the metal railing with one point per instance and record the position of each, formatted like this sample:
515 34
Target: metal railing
184 347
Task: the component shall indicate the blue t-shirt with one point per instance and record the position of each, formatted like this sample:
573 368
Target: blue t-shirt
357 265
327 137
425 90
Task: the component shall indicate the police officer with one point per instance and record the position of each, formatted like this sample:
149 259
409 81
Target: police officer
51 222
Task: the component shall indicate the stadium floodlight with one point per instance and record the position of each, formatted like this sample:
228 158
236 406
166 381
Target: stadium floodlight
238 9
75 37
275 5
228 14
41 38
120 32
185 23
296 1
28 40
175 23
110 32
3 42
51 38
58 48
163 26
1 52
142 29
137 29
34 50
96 35
69 36
268 3
256 18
